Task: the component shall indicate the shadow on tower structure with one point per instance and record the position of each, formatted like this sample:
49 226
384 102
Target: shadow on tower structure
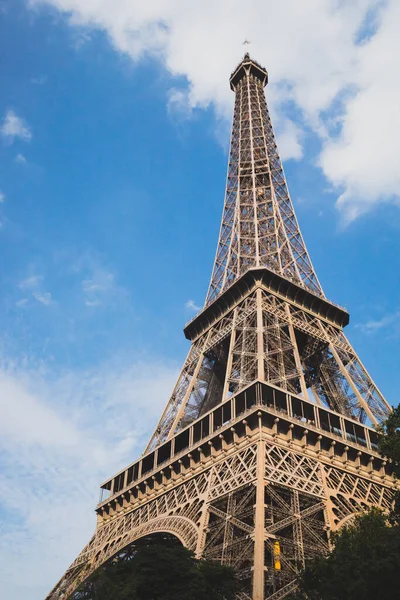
267 443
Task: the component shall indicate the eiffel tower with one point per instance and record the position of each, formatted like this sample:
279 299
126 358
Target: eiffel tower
267 443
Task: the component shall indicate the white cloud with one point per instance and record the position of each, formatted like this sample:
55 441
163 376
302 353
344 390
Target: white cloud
60 436
20 159
2 197
81 38
29 421
33 285
317 51
92 302
191 305
31 282
95 289
93 286
289 140
43 297
21 303
363 160
179 103
99 286
376 325
13 127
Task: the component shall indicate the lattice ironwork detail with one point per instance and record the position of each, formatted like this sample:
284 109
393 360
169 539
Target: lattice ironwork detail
294 470
350 494
259 226
298 352
213 513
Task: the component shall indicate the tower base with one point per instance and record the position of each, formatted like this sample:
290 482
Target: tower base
260 492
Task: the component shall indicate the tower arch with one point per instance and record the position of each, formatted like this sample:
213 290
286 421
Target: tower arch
181 528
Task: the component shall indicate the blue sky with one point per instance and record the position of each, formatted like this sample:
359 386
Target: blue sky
113 152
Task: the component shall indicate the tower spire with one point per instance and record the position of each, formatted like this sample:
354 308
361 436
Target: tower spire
259 227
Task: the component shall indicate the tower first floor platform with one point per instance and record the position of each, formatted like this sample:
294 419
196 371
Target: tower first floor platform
258 483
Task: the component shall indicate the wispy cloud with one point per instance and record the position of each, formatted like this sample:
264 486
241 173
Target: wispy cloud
337 50
43 297
21 303
290 136
191 305
31 282
99 285
373 326
20 159
179 103
93 303
81 38
60 436
2 197
33 285
13 127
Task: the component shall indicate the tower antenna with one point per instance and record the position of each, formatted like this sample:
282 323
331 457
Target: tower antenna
246 44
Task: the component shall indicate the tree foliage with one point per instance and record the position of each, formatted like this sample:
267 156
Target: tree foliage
363 565
389 446
159 572
389 443
365 561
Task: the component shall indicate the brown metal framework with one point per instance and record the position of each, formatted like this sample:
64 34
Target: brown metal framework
259 226
266 444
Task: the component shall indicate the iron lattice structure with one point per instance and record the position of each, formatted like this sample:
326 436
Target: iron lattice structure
259 227
266 444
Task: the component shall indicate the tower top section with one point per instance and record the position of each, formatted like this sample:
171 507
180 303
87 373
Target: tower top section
248 66
259 227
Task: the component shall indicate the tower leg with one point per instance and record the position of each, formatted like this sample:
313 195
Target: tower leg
259 532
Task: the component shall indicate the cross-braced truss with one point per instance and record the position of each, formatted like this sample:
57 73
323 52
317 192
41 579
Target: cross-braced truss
259 226
260 491
268 338
265 445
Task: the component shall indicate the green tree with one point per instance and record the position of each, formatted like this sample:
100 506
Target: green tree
389 443
159 572
389 446
365 561
363 565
